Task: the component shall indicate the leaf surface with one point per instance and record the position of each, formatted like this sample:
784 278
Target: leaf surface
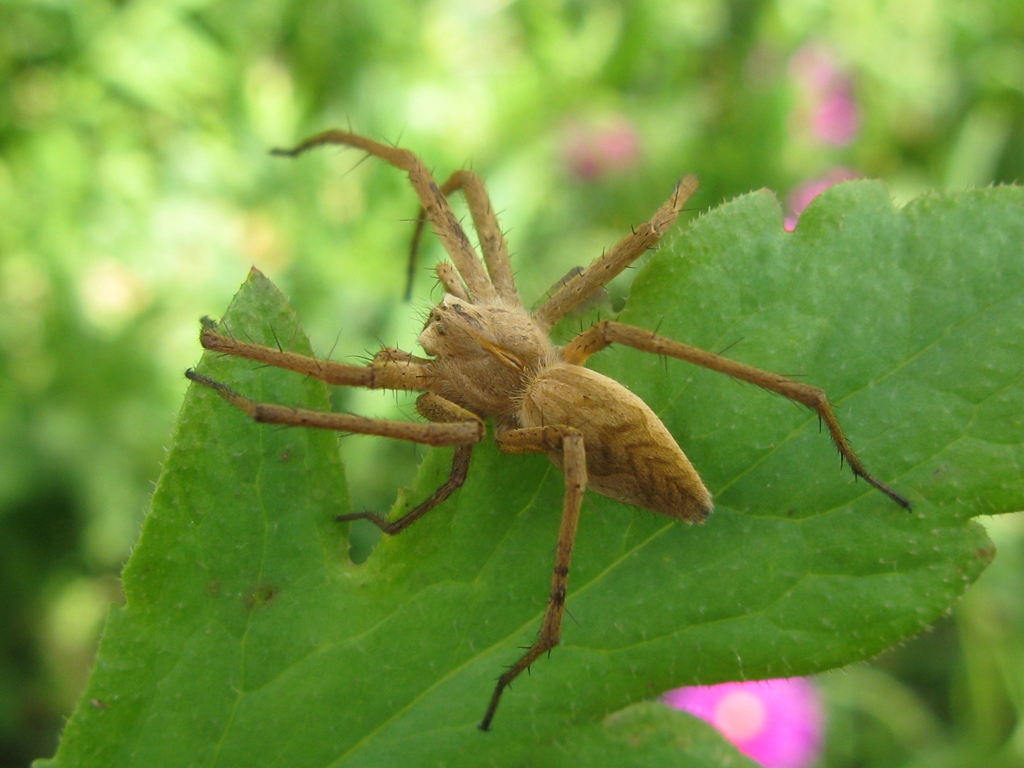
249 639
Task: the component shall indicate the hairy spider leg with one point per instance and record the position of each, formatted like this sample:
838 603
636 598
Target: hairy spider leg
450 424
570 442
492 239
390 368
456 477
435 409
449 277
434 434
434 202
610 264
608 332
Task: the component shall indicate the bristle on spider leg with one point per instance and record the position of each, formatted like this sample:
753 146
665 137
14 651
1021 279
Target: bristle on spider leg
251 339
277 341
569 614
334 346
722 352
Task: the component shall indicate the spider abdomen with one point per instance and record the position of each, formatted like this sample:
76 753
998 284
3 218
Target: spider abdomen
631 455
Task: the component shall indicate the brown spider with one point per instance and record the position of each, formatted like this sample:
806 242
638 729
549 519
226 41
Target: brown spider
489 358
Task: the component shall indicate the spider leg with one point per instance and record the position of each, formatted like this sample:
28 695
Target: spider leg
433 200
610 264
449 277
492 240
460 468
390 369
438 410
570 442
607 332
464 432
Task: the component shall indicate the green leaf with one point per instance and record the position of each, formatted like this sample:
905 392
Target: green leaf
249 639
644 734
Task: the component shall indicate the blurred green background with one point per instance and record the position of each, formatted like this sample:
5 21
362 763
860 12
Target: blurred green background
136 191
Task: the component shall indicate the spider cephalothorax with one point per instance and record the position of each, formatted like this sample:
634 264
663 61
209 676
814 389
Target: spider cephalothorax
489 358
484 356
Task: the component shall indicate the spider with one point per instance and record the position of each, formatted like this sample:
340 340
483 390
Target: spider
488 358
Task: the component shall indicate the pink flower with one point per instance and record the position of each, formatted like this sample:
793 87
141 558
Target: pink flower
595 150
836 118
778 723
830 108
802 195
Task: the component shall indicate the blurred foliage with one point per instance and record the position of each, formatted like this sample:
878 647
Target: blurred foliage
136 191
